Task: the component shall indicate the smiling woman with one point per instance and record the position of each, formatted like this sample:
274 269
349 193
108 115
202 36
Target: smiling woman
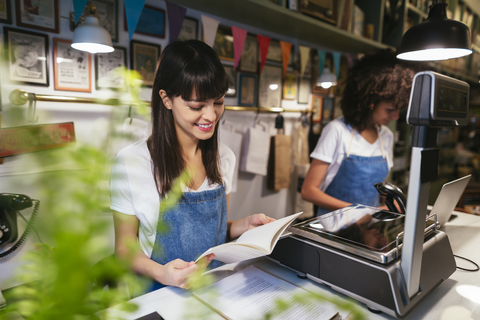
187 103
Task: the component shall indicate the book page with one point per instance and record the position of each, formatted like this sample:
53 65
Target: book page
251 294
266 236
232 252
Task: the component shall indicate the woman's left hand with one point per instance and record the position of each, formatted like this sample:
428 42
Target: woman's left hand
256 220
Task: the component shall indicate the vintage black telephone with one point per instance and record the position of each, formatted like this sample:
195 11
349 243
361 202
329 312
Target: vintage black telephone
10 205
392 192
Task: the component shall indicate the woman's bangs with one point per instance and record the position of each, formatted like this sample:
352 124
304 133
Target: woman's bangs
204 82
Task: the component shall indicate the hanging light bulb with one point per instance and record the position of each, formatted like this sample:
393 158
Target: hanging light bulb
327 79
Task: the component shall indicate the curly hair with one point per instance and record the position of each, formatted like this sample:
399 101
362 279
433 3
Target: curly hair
377 77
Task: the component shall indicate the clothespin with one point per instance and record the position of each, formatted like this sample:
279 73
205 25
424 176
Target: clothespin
279 120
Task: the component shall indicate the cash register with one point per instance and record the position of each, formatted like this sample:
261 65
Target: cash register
388 261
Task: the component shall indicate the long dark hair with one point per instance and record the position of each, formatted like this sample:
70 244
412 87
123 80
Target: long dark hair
185 68
377 77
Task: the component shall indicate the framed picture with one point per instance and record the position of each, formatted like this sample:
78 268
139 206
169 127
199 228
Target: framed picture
270 91
5 11
317 107
72 68
327 113
248 90
107 11
223 45
39 15
151 22
290 86
249 58
189 30
303 90
232 81
325 10
274 51
107 75
143 59
27 56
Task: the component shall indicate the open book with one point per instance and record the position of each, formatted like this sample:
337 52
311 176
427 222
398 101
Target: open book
253 243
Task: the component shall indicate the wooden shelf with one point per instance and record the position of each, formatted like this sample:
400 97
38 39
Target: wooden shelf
273 18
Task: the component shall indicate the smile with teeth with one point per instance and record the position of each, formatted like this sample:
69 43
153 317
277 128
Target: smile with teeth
205 126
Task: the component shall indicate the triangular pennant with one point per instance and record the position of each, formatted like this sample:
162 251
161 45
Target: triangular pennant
78 7
336 61
210 27
239 36
263 43
321 61
176 14
304 56
286 49
133 10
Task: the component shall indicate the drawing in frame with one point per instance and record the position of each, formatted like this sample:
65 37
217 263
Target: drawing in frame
303 90
249 58
107 11
317 107
72 68
43 16
27 55
143 59
270 87
223 44
274 53
108 73
232 81
327 112
247 95
6 11
290 86
151 22
189 30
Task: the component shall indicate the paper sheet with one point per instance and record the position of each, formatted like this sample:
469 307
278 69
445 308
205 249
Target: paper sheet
251 294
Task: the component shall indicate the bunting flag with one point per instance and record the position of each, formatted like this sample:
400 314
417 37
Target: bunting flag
133 10
321 61
176 14
78 7
210 27
286 49
239 36
263 43
304 56
336 62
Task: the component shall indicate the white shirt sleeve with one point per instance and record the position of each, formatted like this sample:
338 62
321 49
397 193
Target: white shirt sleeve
328 142
120 195
227 166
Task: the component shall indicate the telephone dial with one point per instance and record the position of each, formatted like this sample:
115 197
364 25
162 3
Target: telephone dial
10 205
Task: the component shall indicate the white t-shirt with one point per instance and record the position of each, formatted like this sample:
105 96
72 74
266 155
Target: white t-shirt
133 190
334 143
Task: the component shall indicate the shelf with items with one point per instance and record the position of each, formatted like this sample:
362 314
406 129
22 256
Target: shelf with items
268 16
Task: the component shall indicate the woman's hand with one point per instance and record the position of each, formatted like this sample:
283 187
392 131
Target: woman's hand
256 220
177 272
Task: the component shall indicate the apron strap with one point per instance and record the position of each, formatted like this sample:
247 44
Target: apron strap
351 139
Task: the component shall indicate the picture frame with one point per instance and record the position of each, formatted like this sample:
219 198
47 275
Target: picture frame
303 90
27 54
249 58
325 10
232 81
317 108
6 11
327 112
248 90
189 30
274 53
151 22
43 16
106 69
270 86
107 11
143 59
72 68
290 85
223 44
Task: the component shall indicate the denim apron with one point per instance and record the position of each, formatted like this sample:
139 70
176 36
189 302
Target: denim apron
196 224
355 179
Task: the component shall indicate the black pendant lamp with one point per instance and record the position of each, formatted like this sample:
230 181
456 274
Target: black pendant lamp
437 38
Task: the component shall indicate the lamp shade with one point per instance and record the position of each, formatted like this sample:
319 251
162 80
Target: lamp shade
437 38
92 37
327 79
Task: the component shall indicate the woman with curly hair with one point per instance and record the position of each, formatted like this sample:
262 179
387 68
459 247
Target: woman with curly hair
356 150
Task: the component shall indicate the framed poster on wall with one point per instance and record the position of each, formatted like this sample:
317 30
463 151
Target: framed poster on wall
107 11
223 44
303 90
151 22
72 68
270 88
5 11
232 81
39 15
143 59
248 90
108 73
189 30
317 107
290 86
249 58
